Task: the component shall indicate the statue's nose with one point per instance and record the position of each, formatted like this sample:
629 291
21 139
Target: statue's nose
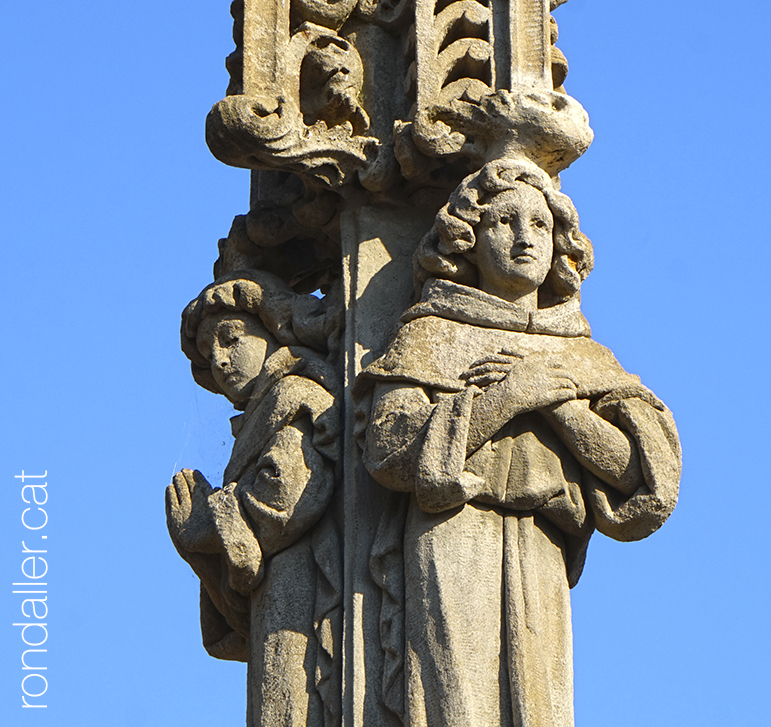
521 238
220 360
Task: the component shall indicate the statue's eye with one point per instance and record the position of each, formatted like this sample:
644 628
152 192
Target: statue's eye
540 224
504 219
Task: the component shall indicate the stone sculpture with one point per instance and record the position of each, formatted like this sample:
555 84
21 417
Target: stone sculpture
429 436
267 557
515 435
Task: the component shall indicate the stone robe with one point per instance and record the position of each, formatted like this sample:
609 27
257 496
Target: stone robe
272 595
476 561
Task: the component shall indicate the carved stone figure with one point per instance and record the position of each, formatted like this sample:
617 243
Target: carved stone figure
422 578
515 436
264 544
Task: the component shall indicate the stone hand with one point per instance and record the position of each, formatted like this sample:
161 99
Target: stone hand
188 513
491 369
539 381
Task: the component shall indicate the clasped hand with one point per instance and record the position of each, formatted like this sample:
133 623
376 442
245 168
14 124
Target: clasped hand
188 512
533 381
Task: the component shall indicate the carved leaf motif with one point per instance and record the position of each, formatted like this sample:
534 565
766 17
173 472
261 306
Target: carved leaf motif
559 64
461 49
235 61
468 58
463 19
487 82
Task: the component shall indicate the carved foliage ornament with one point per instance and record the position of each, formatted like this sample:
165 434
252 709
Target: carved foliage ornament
480 79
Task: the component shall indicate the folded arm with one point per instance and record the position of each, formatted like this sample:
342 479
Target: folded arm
605 450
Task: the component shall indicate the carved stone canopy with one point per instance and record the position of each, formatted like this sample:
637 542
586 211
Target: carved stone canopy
363 94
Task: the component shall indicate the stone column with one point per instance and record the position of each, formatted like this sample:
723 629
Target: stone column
361 121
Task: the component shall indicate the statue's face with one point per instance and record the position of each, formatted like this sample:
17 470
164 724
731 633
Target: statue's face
237 345
514 244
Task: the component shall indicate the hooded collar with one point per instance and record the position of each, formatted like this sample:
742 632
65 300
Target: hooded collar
455 302
283 362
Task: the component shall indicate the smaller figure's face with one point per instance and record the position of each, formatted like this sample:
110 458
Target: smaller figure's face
237 346
514 243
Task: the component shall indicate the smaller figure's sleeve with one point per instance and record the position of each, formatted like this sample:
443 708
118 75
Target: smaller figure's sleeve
284 465
288 488
224 636
651 426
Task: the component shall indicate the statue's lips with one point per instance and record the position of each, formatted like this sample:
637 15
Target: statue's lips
232 379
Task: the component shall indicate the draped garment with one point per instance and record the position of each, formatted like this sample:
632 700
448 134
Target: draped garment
476 557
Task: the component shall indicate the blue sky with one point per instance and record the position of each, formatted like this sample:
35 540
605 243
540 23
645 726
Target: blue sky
110 210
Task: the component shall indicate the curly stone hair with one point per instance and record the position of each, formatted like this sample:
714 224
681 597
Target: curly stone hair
290 318
441 252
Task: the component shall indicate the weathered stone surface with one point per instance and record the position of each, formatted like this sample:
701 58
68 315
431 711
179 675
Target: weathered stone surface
264 545
427 442
515 436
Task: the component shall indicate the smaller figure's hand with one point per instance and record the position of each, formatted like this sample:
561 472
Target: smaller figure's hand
188 513
540 381
491 369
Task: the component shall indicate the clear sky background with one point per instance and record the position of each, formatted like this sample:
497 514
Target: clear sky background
110 210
